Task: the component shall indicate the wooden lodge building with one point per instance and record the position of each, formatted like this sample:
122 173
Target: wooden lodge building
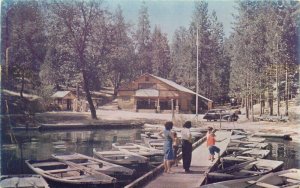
153 93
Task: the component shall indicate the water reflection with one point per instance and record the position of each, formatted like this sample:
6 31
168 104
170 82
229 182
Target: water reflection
40 145
287 151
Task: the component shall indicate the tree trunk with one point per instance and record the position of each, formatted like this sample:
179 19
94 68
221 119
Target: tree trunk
22 84
286 93
88 95
260 104
247 107
271 101
252 109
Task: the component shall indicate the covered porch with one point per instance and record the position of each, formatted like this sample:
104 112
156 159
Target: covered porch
153 100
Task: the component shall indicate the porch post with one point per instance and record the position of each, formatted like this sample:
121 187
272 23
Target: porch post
172 108
135 104
177 106
158 106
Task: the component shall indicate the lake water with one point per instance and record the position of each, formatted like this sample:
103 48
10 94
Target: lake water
40 145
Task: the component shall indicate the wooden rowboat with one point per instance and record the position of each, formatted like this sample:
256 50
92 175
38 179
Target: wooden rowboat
247 144
155 143
114 170
237 183
251 167
121 158
286 178
68 173
23 181
269 165
249 152
138 149
155 156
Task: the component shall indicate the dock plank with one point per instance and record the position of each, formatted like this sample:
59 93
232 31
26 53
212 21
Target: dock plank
199 167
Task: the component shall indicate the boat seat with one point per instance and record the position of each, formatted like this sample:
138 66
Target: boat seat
91 163
76 177
251 172
61 170
47 164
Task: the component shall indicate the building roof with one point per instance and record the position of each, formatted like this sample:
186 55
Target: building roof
179 87
146 93
60 94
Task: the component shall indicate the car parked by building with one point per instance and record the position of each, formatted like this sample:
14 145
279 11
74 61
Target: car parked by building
217 114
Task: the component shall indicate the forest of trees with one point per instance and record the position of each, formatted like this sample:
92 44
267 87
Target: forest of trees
54 44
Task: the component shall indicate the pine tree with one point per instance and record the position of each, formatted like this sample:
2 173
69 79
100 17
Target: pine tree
160 54
121 55
143 41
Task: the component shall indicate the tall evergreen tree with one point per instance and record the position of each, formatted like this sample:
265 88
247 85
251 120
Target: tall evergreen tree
160 54
201 23
183 68
143 41
121 55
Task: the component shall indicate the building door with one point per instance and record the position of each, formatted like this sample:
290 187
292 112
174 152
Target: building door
69 104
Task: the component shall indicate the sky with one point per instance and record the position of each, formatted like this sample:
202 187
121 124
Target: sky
169 15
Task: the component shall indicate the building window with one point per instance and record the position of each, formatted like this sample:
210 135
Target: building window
147 78
146 104
126 98
59 101
147 86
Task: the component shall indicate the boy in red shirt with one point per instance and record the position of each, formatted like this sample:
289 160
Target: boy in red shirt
211 141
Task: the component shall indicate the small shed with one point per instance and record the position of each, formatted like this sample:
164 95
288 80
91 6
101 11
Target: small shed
64 99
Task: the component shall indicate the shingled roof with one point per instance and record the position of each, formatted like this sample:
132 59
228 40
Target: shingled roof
60 94
179 87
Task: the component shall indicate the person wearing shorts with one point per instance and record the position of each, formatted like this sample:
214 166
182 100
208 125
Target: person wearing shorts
211 141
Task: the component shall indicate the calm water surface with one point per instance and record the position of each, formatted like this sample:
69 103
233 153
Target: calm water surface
40 145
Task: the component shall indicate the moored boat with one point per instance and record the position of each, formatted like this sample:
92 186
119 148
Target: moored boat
23 181
250 152
155 156
266 164
251 167
286 178
127 159
57 171
155 143
114 170
236 183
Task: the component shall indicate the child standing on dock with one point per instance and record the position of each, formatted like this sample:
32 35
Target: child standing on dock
176 143
211 141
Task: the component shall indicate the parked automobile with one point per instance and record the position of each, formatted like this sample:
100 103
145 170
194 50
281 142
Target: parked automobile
214 114
231 117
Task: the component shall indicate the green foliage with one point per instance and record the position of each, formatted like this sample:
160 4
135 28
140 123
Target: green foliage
213 60
160 54
25 41
121 56
143 41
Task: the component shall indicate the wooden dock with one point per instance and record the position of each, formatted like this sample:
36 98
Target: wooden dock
199 167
